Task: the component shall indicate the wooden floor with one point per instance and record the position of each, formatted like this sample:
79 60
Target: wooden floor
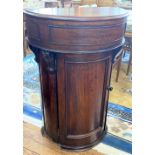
35 144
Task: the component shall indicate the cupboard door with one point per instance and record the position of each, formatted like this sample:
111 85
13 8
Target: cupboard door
82 101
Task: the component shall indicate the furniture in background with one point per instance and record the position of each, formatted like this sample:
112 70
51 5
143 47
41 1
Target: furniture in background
66 3
51 3
128 48
117 63
75 50
106 3
88 2
56 3
125 5
99 3
76 3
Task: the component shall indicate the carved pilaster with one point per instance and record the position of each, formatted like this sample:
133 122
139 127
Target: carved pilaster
46 56
49 59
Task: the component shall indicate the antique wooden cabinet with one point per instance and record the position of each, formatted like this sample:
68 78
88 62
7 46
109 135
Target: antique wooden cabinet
74 48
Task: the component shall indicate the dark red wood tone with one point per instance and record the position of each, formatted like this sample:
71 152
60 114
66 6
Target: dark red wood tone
84 79
75 49
49 93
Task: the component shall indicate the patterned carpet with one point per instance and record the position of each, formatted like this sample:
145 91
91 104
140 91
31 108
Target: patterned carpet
119 120
122 93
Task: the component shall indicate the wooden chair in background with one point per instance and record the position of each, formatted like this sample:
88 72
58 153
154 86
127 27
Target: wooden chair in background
117 63
66 3
128 48
51 3
104 3
76 3
88 2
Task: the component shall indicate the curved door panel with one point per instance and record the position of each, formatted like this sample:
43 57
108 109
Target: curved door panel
82 83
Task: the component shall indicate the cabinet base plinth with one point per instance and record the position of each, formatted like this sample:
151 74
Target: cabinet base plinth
75 148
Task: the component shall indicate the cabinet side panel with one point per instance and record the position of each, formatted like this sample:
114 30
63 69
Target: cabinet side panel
49 95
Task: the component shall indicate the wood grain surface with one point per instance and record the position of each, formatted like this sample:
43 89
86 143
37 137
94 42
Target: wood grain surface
75 49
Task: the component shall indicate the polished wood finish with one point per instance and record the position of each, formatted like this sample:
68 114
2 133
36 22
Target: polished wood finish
75 49
83 77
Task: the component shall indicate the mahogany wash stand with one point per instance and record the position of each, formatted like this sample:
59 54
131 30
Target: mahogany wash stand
75 48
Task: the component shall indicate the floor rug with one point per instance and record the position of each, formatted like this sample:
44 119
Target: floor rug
119 119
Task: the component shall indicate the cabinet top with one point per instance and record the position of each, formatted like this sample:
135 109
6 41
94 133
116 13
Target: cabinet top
98 13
